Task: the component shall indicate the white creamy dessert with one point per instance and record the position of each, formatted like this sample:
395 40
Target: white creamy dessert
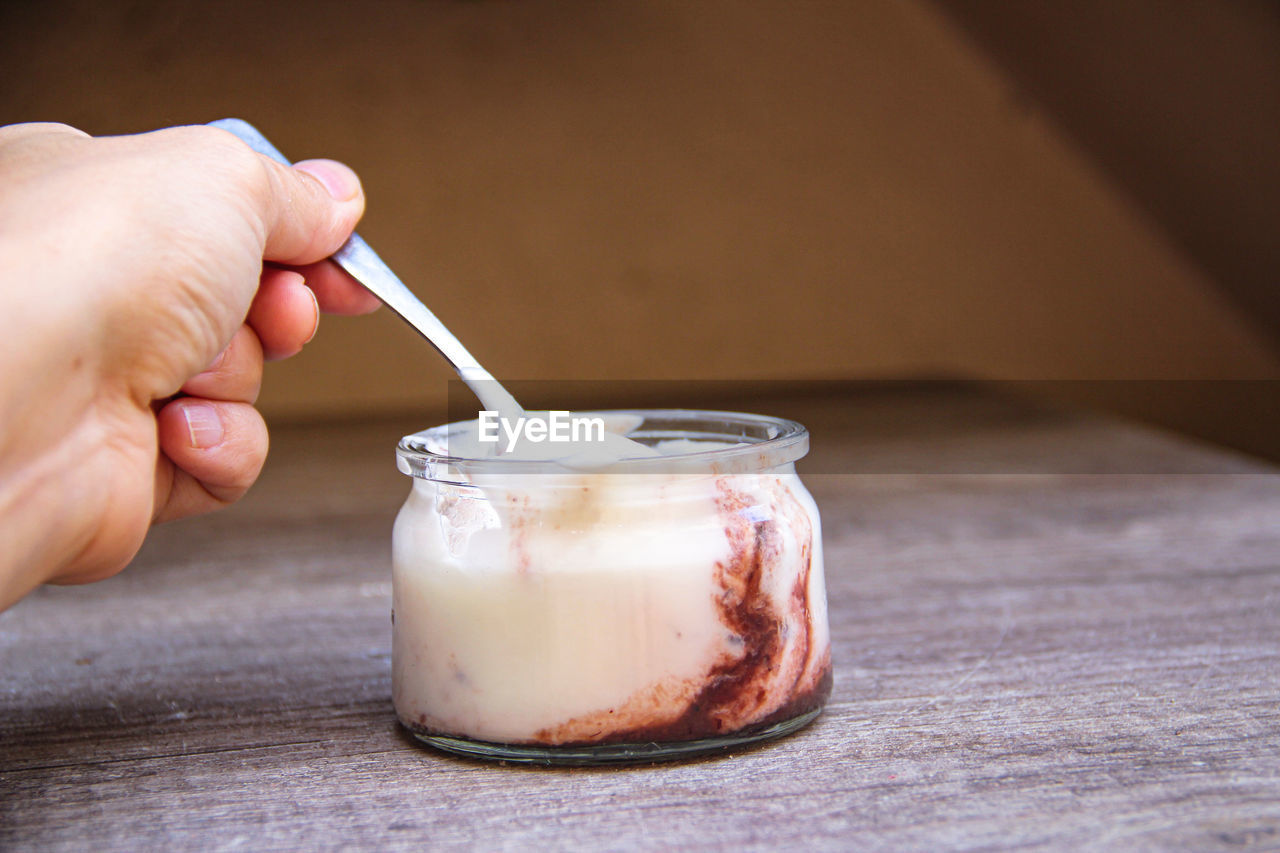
608 606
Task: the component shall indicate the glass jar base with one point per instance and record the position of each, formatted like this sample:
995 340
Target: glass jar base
611 753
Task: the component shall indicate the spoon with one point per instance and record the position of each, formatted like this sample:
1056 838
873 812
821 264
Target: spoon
363 264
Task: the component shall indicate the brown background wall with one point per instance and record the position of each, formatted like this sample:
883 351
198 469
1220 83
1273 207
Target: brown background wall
708 190
1178 102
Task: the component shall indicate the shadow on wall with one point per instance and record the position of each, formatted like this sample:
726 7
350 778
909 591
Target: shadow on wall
1179 106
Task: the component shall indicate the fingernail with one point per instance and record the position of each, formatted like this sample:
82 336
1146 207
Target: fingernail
217 361
315 326
340 181
204 427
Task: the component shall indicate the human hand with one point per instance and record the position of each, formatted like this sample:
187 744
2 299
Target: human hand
135 314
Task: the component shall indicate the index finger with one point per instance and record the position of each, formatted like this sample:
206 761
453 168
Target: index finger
336 291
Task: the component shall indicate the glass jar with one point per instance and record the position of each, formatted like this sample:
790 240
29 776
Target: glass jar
661 607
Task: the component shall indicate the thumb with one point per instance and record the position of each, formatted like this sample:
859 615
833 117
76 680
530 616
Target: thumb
314 208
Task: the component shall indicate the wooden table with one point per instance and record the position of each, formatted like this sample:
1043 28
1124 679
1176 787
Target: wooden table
1050 630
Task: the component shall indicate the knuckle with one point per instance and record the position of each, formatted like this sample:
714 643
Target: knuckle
233 158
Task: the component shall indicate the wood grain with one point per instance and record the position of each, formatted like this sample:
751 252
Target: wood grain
1051 631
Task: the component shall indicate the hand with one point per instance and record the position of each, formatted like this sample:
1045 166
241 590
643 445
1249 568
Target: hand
135 314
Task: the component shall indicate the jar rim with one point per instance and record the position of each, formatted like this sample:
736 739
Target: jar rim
757 443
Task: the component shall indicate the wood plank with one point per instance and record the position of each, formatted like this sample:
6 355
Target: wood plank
1025 657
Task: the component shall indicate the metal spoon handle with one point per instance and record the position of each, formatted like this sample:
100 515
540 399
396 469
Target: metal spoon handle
364 265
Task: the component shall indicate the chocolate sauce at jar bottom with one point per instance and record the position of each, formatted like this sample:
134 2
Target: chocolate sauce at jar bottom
697 723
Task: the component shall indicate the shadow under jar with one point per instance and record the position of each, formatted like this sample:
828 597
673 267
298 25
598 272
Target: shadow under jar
660 608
